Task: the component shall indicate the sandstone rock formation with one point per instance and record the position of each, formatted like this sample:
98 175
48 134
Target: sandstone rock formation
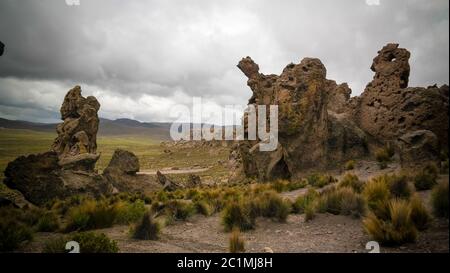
388 109
312 135
68 168
76 144
320 126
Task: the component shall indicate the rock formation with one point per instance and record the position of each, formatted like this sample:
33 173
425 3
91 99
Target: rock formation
311 135
320 126
388 109
69 168
40 179
167 183
76 144
122 173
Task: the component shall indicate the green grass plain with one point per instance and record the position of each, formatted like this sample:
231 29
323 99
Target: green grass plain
14 143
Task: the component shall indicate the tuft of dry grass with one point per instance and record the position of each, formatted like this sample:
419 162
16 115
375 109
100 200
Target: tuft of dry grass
236 243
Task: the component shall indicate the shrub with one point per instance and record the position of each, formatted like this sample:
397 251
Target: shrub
180 209
237 244
320 181
303 201
12 234
147 229
349 165
91 242
129 212
377 194
203 207
352 181
419 214
383 155
439 199
91 215
238 215
344 201
295 185
280 185
426 178
396 228
49 222
57 245
399 186
273 206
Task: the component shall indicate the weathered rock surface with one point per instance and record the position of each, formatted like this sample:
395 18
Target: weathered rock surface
77 135
419 148
320 126
387 109
40 179
122 170
307 131
167 183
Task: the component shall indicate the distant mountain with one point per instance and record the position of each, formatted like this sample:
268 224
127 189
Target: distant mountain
119 127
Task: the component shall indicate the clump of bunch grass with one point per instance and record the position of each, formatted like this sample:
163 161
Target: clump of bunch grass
352 181
239 214
395 227
320 180
303 201
349 165
91 214
90 242
377 194
343 201
384 155
236 243
13 233
419 214
399 186
203 207
426 178
128 212
147 229
271 205
439 200
49 222
180 209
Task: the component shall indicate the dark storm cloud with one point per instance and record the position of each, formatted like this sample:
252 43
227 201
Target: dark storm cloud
142 57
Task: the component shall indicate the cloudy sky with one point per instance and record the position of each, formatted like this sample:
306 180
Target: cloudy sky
140 58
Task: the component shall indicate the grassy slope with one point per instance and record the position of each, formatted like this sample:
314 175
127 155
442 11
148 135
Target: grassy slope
14 143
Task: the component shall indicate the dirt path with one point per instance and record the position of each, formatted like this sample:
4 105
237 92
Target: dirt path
175 171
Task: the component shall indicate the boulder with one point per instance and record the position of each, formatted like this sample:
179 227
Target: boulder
167 183
419 148
124 162
40 179
122 170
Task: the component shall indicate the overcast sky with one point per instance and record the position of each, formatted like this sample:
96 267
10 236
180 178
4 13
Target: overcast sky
140 58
